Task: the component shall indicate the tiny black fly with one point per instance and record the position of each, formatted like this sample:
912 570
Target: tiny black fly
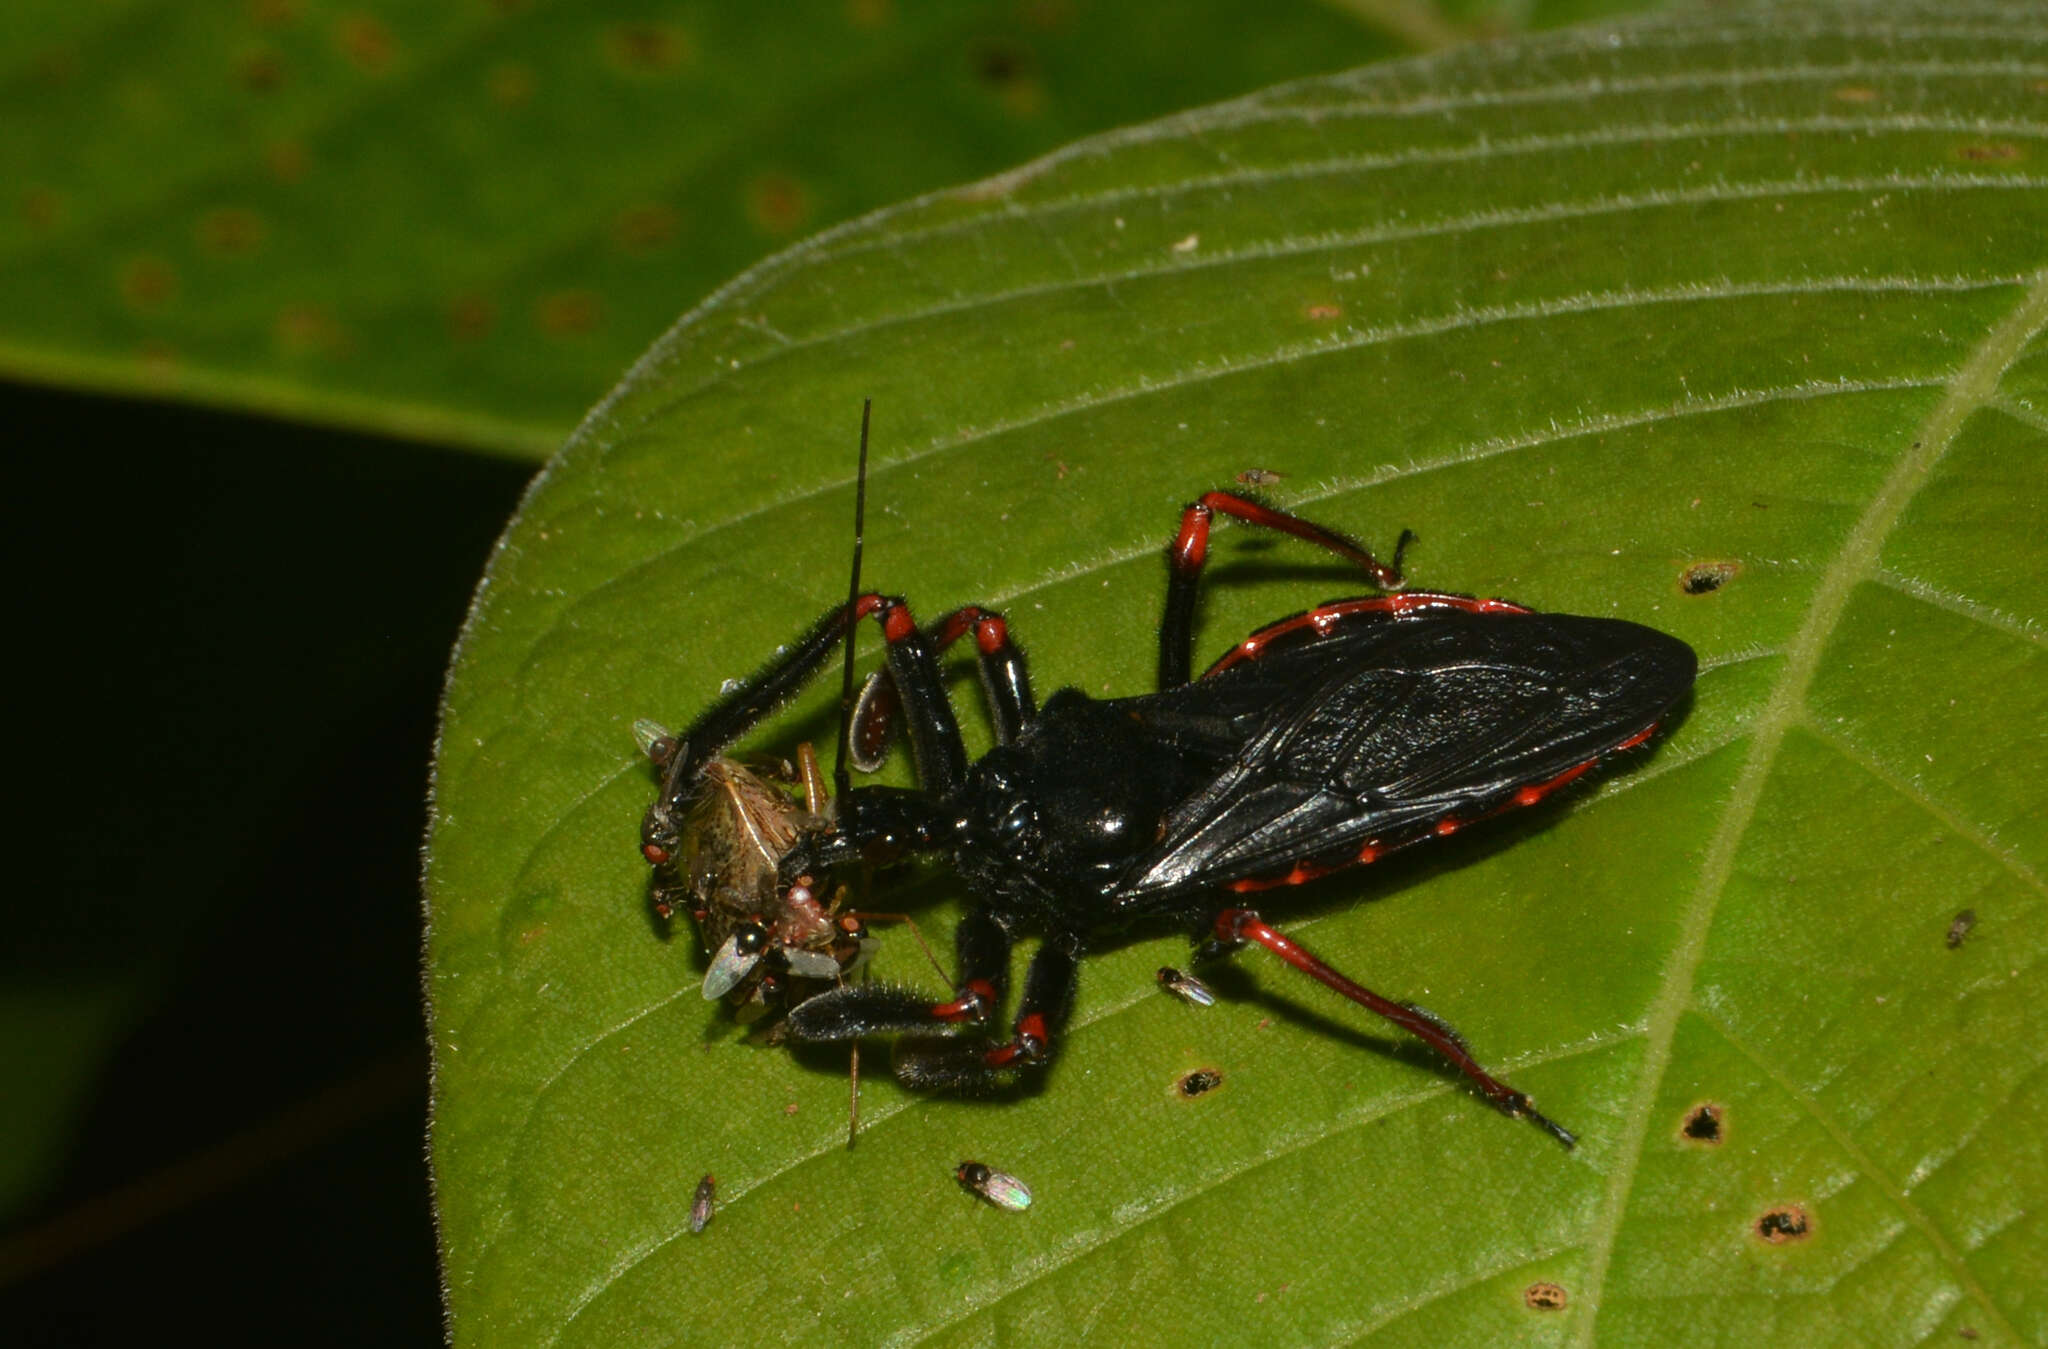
1186 987
701 1202
1000 1188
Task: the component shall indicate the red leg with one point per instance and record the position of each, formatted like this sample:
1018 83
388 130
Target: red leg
1189 551
1239 925
1004 680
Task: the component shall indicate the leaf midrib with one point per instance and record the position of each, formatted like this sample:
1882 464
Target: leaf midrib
1972 387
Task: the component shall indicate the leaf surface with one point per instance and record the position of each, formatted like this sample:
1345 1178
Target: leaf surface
458 222
1756 297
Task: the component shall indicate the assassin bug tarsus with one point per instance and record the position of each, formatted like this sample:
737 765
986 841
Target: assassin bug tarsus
1324 740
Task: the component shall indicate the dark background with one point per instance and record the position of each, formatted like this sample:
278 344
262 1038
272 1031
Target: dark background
236 636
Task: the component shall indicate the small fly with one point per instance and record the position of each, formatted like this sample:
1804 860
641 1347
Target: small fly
1000 1188
700 1207
1186 987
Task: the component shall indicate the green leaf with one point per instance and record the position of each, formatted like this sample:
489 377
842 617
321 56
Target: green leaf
1760 293
459 222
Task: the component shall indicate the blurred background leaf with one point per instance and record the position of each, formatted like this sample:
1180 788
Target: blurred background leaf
460 222
1731 324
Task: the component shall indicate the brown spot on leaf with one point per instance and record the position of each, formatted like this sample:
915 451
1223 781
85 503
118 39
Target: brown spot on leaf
365 42
511 84
1784 1224
470 317
777 202
646 228
869 13
646 48
231 231
1704 578
1544 1297
568 313
41 208
1990 152
260 70
286 161
1323 313
159 360
148 283
309 330
1702 1124
1855 93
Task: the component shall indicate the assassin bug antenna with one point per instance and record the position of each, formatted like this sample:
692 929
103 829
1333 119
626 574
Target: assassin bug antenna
841 779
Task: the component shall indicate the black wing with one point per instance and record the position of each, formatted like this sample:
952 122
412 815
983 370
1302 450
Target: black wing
1389 724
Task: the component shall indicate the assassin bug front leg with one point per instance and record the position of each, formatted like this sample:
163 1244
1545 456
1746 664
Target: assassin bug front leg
1325 740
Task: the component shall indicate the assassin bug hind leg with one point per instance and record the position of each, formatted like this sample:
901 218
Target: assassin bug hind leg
1188 554
1236 926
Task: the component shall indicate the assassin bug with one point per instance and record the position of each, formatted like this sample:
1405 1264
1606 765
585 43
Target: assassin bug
1324 740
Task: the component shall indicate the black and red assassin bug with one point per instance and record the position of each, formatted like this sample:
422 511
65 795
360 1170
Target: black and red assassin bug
1324 740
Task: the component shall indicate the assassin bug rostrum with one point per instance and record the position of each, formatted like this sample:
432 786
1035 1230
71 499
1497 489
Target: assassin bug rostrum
1324 740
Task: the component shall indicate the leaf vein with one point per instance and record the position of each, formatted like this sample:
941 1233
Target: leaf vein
1915 1216
1972 385
1970 831
1483 149
2011 625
